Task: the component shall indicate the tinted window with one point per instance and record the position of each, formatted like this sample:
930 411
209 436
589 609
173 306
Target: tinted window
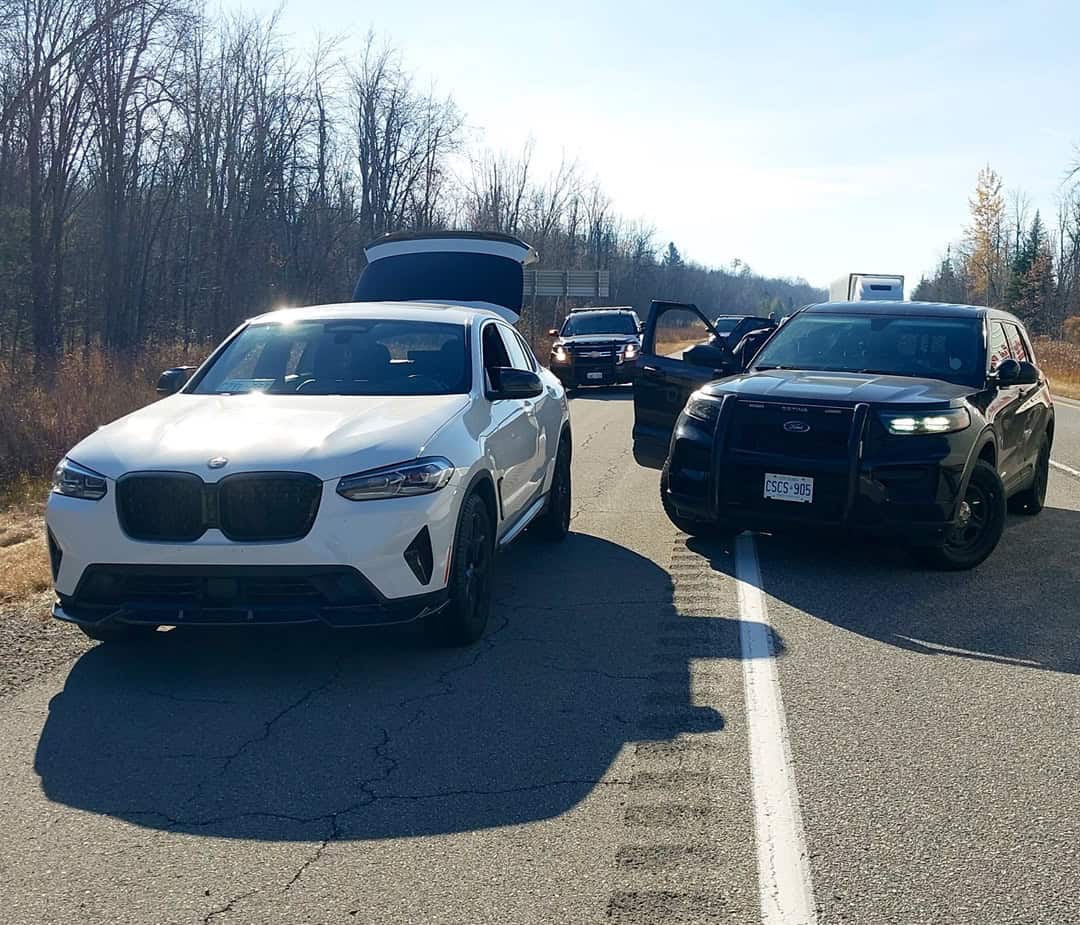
998 346
1016 344
939 348
341 357
495 354
599 323
726 325
530 359
513 347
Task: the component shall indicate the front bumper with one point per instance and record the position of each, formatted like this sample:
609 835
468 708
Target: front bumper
214 580
908 490
575 374
236 596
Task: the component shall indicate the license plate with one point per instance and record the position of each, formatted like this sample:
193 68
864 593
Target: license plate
789 487
594 375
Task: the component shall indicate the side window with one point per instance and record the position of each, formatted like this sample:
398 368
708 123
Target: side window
529 356
495 356
677 330
1016 344
518 357
998 346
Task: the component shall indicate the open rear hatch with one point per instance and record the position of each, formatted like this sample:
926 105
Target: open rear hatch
476 269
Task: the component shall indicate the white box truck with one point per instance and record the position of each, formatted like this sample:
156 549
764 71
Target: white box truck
862 287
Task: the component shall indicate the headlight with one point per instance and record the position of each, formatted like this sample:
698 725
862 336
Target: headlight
559 355
420 477
629 352
932 422
77 481
703 408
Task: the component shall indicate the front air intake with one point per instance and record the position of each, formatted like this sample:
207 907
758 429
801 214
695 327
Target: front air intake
419 556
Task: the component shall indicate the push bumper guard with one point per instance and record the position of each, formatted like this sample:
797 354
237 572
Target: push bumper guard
856 498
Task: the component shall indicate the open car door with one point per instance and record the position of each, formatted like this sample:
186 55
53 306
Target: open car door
680 352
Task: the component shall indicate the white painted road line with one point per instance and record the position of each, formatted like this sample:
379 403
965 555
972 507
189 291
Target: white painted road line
1066 469
785 889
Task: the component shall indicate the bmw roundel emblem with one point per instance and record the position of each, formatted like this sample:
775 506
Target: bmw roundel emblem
217 462
796 427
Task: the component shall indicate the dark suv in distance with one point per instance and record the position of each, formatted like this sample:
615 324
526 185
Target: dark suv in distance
922 421
596 346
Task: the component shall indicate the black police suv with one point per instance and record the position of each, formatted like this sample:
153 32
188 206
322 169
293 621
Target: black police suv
596 346
922 421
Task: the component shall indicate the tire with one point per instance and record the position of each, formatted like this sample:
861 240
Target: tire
464 617
119 633
704 529
969 543
1032 499
554 522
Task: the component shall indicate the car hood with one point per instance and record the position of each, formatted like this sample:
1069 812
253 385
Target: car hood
327 436
585 340
845 388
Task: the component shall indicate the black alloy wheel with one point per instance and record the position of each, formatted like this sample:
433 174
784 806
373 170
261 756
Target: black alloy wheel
979 523
554 523
464 617
1033 499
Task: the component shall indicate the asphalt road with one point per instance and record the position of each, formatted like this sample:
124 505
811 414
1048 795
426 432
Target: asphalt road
590 760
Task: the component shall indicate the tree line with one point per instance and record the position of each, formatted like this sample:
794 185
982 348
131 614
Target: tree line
165 173
1012 257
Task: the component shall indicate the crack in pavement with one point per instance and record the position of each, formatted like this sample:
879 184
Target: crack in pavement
214 913
268 727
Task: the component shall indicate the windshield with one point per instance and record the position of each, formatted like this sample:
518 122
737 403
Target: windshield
937 348
341 357
726 325
600 323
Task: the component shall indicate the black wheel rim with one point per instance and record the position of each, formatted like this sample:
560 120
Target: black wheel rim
1042 475
476 585
560 492
976 512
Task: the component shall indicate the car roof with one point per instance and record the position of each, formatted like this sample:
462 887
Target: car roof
912 309
390 311
620 309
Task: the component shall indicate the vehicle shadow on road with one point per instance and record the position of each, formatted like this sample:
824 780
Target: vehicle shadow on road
304 734
1020 607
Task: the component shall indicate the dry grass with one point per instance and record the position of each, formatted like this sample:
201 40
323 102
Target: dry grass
24 561
1060 360
39 422
42 418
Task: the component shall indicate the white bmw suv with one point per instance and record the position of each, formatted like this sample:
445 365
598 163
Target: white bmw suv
353 464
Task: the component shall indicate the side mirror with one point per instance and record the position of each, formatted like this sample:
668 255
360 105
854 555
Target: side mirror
641 327
552 332
513 383
1007 372
173 380
1029 374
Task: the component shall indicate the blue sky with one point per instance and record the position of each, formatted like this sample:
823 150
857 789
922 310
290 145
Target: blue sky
804 139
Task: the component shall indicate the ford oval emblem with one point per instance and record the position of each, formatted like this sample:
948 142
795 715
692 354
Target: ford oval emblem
218 462
796 427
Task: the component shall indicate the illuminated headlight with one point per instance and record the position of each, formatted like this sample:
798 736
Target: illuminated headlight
77 481
629 352
420 477
703 408
559 355
935 422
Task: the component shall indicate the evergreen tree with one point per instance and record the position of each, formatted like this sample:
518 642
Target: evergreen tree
672 258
